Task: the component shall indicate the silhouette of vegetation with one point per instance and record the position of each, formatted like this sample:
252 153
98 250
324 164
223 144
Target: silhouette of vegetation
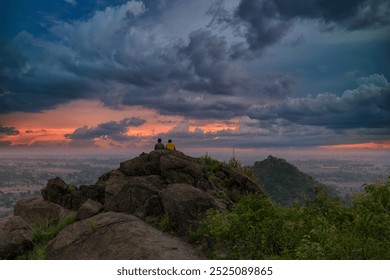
324 228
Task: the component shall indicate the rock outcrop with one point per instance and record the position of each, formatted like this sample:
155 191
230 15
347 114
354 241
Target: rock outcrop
69 196
88 209
36 210
122 215
15 237
115 236
174 184
185 206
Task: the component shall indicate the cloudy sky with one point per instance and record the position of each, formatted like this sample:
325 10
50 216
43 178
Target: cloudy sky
246 74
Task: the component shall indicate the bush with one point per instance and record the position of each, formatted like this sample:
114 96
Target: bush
211 164
325 228
43 235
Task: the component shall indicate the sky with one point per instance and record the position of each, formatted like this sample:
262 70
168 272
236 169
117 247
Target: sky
245 74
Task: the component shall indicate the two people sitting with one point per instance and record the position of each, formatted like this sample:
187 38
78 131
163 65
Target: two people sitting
160 146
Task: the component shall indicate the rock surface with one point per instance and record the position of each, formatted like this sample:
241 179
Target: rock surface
174 167
185 206
70 196
114 236
15 237
88 209
174 184
36 210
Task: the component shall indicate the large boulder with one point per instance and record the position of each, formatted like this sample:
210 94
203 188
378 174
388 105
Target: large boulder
132 194
37 210
111 235
88 209
69 196
143 165
93 192
15 237
172 166
185 206
59 192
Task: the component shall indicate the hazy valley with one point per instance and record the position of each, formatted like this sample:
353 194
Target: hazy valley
22 177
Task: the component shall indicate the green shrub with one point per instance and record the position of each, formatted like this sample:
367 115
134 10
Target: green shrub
325 228
167 224
42 235
212 164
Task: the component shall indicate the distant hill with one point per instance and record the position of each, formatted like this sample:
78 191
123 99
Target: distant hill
283 182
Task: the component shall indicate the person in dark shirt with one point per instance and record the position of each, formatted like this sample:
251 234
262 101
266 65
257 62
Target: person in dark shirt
159 145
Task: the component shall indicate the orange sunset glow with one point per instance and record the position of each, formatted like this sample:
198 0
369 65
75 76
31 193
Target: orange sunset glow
369 145
52 125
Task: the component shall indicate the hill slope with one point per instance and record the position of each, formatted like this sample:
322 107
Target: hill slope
283 182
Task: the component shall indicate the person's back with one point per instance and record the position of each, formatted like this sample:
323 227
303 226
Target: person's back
170 146
159 145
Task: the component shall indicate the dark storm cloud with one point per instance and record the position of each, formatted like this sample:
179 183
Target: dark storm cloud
111 58
211 66
367 106
8 130
76 63
33 79
265 27
108 130
265 22
348 14
220 109
277 86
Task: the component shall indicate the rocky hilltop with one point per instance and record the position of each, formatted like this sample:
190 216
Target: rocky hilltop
145 209
284 183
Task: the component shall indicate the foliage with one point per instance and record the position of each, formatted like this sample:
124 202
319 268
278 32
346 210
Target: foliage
167 224
214 165
211 164
324 228
42 235
235 163
94 225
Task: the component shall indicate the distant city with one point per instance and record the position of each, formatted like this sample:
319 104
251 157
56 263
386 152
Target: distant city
23 177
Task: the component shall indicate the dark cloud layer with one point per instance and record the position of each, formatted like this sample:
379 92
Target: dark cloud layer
8 130
110 130
116 57
266 22
211 66
367 106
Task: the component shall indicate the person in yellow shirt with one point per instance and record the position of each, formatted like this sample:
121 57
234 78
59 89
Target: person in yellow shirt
170 146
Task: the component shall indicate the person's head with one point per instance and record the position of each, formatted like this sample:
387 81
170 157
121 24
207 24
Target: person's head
159 140
169 141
